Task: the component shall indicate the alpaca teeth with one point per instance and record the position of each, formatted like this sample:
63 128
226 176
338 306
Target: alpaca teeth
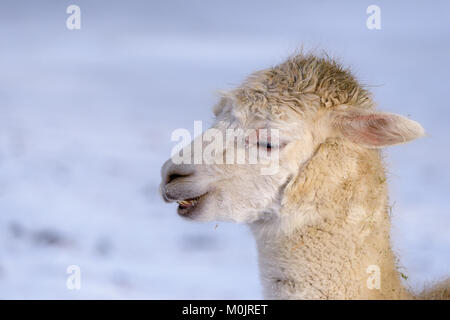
188 203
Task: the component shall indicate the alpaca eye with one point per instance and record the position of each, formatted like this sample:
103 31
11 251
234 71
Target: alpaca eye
266 145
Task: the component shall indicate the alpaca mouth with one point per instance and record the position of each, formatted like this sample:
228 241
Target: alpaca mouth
185 207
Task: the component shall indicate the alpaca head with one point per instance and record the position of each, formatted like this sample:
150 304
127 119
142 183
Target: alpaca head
279 116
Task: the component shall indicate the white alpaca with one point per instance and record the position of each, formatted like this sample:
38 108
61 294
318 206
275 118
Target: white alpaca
321 221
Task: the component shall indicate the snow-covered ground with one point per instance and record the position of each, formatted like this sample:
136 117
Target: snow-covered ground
86 118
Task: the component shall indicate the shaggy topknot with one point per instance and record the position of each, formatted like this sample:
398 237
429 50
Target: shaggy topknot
302 82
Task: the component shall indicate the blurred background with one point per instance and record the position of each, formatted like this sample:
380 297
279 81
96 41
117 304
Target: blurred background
86 117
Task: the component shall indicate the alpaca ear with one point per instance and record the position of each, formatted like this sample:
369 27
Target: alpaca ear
375 129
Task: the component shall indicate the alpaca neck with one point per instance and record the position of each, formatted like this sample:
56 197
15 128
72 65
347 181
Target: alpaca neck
331 239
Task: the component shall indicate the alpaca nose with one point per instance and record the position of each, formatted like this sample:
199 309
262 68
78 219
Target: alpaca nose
171 171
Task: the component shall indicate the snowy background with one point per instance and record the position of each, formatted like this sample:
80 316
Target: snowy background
86 118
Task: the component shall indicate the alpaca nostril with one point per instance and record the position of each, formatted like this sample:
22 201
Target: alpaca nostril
171 171
174 176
